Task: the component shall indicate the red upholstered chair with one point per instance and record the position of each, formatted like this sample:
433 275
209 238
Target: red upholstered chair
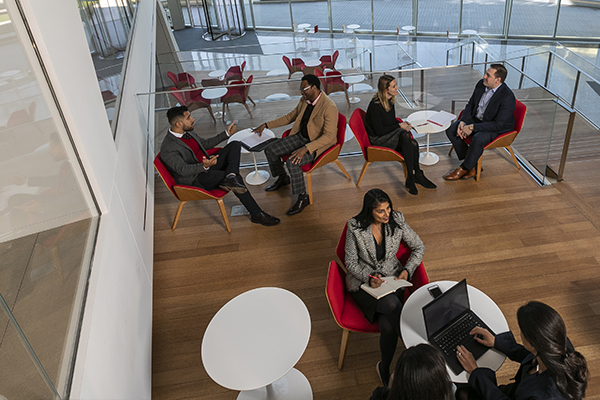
190 193
334 83
182 80
345 311
371 153
329 155
238 94
235 73
293 66
505 140
193 100
419 277
329 61
208 82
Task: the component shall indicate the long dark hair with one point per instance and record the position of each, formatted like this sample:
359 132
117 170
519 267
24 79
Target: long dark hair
372 199
383 84
545 330
421 375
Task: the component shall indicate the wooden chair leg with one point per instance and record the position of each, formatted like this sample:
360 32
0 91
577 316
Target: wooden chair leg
250 98
339 164
224 214
404 169
211 113
247 109
479 162
343 347
309 186
451 148
512 153
362 173
347 98
177 214
223 112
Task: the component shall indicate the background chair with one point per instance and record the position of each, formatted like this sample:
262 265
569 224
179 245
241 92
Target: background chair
190 193
208 82
334 83
329 61
193 100
182 80
295 66
329 155
505 140
238 94
235 73
371 153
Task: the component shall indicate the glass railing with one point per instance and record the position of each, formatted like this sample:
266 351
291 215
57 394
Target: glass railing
420 89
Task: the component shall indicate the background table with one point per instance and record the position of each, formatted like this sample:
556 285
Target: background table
258 176
213 94
353 28
253 342
413 330
351 80
421 117
218 73
304 28
408 29
310 65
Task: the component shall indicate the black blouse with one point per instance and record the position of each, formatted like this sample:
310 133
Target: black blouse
379 122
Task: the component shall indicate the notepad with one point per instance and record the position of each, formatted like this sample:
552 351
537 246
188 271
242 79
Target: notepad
256 143
441 118
390 285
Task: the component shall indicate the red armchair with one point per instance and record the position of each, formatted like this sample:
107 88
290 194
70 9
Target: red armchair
193 100
329 61
235 73
293 66
182 80
238 94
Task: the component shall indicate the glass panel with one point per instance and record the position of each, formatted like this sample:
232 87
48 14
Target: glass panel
573 12
562 79
186 12
522 23
437 16
345 12
271 14
388 15
486 17
588 98
315 13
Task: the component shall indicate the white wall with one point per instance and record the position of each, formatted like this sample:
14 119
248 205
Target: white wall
114 355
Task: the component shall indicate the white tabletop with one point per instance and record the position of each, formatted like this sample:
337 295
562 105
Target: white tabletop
256 338
277 96
214 93
244 133
312 63
351 79
353 26
421 117
469 32
303 26
408 28
216 73
413 330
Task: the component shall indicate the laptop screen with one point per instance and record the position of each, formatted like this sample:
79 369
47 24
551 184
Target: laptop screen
441 311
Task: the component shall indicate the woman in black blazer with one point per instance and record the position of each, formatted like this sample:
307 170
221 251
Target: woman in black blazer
550 367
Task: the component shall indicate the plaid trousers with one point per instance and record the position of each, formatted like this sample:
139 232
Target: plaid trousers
284 147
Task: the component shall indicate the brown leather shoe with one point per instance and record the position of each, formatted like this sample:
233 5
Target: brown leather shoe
470 174
456 174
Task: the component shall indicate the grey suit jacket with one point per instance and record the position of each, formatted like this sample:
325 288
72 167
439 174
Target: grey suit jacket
361 255
181 160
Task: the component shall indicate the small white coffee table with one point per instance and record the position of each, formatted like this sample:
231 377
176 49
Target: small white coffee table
408 29
304 28
420 118
351 80
258 176
218 73
353 28
213 94
253 342
413 330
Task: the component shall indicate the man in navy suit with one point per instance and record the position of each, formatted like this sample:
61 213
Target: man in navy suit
488 113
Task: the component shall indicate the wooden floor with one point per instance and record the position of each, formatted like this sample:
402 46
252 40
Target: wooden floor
509 237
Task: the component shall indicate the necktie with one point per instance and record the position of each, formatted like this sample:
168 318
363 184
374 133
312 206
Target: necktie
186 136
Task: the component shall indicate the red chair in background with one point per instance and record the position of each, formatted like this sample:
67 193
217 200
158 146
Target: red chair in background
293 66
193 100
371 153
182 80
329 155
505 140
208 82
332 82
190 193
329 61
235 73
238 94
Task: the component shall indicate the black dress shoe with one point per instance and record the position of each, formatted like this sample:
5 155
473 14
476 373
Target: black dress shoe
423 181
264 219
410 185
233 184
297 208
282 180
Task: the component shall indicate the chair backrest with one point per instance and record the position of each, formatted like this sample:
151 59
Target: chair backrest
357 125
165 174
185 77
519 115
335 290
287 61
341 130
340 250
316 28
335 56
243 66
247 88
178 96
173 77
297 61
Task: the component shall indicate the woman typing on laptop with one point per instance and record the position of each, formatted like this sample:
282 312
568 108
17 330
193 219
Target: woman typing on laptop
372 241
550 367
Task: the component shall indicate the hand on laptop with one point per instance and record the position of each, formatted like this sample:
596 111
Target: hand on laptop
483 336
465 358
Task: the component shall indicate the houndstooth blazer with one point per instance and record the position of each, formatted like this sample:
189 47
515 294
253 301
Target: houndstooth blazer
361 255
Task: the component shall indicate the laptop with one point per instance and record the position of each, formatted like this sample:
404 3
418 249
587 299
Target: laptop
448 321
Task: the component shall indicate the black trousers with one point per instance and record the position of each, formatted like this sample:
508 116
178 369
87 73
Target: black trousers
228 162
400 140
469 153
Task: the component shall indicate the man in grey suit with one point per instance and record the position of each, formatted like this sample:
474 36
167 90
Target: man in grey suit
180 152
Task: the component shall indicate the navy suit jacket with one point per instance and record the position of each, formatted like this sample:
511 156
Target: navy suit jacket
498 116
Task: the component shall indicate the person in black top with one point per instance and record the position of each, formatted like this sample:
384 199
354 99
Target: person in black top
384 130
550 366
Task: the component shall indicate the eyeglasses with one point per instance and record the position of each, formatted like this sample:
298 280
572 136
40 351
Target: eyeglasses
305 89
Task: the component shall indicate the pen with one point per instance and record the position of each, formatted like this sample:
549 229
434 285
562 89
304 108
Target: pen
423 124
374 277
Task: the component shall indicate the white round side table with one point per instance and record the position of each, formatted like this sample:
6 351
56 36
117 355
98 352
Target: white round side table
258 176
351 80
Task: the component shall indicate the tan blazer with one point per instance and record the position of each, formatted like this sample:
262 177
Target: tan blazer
321 127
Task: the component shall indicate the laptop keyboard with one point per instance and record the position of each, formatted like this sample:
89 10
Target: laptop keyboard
455 334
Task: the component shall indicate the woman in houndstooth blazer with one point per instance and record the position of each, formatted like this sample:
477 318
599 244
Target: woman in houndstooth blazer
372 241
